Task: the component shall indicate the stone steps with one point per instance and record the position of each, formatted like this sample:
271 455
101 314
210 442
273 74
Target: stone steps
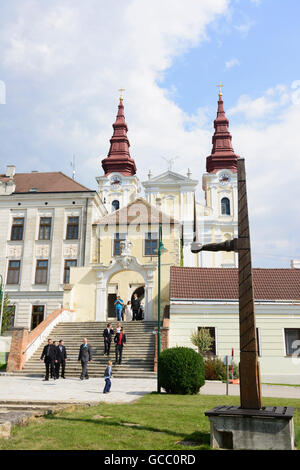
138 353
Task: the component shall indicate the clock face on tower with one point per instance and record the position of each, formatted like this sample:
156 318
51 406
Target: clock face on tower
224 179
115 181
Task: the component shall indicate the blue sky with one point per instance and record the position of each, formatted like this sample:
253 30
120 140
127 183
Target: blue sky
62 63
259 41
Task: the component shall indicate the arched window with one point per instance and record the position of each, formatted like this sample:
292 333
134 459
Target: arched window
225 206
115 205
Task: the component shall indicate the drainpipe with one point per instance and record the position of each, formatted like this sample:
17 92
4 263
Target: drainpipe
84 230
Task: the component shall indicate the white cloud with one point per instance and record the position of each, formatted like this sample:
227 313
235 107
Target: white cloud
65 61
231 63
244 28
273 166
77 55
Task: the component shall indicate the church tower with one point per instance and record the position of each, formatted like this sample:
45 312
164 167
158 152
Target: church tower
220 186
119 185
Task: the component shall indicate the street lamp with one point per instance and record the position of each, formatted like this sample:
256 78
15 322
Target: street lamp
2 301
161 249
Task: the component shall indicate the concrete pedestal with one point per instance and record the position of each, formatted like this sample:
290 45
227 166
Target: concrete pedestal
271 428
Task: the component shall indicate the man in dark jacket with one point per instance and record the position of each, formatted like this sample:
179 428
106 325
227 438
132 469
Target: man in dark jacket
135 305
49 355
61 357
107 335
120 340
85 356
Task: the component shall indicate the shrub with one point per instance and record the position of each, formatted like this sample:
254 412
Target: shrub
181 371
215 369
202 340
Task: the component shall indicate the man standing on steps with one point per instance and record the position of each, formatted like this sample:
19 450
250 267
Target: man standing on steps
119 304
49 355
107 335
120 340
135 305
85 356
61 355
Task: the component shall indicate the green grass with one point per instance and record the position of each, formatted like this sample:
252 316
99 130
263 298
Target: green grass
283 385
158 422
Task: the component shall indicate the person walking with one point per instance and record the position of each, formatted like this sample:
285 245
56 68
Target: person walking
85 356
107 377
49 355
128 311
107 335
119 306
135 307
120 340
56 365
61 354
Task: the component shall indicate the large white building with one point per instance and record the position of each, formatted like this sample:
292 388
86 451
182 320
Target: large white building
45 229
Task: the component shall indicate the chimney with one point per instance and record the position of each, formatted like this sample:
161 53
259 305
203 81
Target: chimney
10 171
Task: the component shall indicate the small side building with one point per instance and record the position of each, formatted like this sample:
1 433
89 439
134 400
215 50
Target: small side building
208 297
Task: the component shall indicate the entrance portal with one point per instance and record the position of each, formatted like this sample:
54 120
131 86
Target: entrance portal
140 292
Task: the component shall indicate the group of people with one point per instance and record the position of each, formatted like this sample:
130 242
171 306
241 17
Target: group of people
55 355
133 310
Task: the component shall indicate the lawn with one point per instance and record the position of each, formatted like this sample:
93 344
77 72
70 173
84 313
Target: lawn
154 422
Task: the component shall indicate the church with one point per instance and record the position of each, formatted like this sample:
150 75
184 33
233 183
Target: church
67 246
69 251
125 240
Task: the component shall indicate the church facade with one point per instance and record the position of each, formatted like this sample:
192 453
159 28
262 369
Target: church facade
71 247
125 241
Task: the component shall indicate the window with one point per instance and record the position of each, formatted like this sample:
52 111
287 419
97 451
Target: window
69 263
151 244
13 273
37 315
41 273
225 206
292 340
17 228
117 240
212 332
45 228
72 228
115 205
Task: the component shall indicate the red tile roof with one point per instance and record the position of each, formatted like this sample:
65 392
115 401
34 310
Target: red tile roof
48 182
222 283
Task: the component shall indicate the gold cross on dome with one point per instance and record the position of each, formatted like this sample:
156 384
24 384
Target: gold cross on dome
220 88
121 93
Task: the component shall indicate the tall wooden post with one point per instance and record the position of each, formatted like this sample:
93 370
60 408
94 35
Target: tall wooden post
250 386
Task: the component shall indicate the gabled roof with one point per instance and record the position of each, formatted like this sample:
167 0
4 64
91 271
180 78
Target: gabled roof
138 211
170 177
222 283
48 182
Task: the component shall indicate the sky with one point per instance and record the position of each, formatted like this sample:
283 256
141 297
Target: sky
63 62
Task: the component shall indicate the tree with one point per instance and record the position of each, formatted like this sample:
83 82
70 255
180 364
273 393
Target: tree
8 312
202 339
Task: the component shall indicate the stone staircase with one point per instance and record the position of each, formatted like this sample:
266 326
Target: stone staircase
138 353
